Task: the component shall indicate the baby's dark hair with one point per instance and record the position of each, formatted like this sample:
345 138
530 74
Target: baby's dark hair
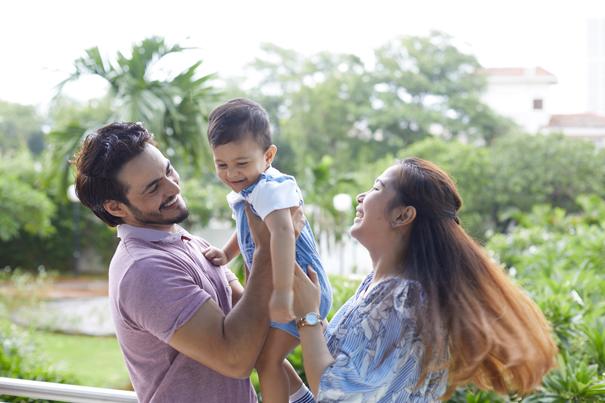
237 118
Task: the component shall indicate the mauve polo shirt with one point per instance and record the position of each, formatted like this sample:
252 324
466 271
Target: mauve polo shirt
157 281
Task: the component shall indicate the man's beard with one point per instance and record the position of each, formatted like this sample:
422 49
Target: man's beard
156 218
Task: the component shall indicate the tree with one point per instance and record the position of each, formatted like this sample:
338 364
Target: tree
20 127
23 206
173 108
317 104
544 169
425 86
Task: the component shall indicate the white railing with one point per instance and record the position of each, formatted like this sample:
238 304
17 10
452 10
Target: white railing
63 392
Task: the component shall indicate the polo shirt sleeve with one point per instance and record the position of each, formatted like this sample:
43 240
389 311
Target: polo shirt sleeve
159 297
271 195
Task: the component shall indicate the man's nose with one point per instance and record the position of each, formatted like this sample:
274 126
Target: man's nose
173 185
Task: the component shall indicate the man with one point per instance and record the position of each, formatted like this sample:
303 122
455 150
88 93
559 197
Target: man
183 337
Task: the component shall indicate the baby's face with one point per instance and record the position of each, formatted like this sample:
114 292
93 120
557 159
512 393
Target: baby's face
238 164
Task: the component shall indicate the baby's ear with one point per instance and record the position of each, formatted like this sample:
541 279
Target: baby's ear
270 154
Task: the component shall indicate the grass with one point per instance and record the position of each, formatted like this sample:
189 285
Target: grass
94 361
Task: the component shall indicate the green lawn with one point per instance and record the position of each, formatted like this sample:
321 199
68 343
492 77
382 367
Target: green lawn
95 361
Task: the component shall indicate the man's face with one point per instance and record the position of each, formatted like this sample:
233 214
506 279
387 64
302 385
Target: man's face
239 163
153 192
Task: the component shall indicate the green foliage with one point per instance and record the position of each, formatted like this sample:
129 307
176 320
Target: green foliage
425 86
173 108
334 104
20 127
19 358
25 208
499 183
471 394
205 200
37 221
530 170
559 259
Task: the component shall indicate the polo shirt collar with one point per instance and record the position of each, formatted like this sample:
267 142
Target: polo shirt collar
151 235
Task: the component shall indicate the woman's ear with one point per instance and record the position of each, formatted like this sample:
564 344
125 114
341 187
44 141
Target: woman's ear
270 154
403 216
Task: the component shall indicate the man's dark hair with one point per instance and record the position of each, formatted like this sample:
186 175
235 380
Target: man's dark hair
100 159
236 119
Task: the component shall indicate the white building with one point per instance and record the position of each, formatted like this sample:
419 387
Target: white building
520 94
596 66
584 126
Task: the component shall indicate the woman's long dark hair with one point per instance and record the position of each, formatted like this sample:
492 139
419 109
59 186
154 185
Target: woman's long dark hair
493 334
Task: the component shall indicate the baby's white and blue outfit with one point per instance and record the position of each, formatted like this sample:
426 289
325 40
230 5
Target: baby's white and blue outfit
275 191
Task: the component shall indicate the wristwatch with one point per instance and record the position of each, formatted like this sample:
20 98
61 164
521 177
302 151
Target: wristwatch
310 319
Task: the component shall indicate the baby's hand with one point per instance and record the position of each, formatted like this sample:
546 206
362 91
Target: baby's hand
216 256
280 306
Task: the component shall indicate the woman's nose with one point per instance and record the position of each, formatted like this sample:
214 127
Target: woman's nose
360 197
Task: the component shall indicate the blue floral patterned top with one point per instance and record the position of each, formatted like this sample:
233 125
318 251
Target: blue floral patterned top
377 350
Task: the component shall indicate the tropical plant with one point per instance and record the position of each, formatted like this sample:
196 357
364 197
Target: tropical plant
173 107
558 258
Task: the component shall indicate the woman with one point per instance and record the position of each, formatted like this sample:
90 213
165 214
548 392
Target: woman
435 313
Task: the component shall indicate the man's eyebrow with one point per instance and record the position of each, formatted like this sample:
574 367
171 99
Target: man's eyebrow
379 182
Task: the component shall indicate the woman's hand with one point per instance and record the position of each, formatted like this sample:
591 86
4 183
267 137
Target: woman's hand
306 291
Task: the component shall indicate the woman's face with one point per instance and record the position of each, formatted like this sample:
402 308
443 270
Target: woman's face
372 220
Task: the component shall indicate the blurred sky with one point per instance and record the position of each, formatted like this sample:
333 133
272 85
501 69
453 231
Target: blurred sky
39 40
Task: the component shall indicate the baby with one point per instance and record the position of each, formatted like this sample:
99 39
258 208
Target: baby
240 136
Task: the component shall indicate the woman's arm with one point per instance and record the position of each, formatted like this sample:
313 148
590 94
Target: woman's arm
283 246
316 356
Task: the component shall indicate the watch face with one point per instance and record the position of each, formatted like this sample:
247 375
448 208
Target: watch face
312 319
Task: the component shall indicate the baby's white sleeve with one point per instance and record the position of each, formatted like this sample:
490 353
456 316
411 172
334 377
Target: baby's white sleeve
272 195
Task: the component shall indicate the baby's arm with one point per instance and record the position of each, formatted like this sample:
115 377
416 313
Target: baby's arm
283 246
220 257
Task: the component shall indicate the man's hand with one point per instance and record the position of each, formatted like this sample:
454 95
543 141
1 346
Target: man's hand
216 256
280 306
298 219
260 233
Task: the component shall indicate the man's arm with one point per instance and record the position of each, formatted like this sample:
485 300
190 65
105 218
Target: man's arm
230 344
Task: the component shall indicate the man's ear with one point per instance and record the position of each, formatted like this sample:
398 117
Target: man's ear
115 208
270 154
403 216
